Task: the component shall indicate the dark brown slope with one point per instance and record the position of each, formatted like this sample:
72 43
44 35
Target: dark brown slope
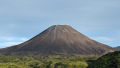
59 40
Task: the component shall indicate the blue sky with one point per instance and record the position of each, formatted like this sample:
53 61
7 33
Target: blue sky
21 20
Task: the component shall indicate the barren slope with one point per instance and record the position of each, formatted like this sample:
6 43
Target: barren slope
57 40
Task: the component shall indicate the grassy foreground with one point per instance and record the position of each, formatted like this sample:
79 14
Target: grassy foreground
45 61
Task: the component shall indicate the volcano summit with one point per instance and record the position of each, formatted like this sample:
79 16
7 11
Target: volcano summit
59 40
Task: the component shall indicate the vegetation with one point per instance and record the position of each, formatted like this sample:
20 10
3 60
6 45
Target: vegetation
110 60
45 61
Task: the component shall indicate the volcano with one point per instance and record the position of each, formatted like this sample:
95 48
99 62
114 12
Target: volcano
59 40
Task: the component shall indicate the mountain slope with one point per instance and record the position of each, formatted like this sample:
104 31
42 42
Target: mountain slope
59 40
118 47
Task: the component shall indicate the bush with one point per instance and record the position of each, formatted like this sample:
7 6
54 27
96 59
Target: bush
77 64
10 65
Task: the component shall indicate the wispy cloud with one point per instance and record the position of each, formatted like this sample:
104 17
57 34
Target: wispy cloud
105 39
24 39
6 38
13 39
8 41
7 44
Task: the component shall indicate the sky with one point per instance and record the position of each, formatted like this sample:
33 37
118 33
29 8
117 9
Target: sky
20 20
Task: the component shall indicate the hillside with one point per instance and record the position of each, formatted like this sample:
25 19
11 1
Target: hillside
118 47
110 60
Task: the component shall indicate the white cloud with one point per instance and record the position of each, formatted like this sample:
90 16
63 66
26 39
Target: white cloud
6 38
10 41
24 39
104 39
7 44
13 39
